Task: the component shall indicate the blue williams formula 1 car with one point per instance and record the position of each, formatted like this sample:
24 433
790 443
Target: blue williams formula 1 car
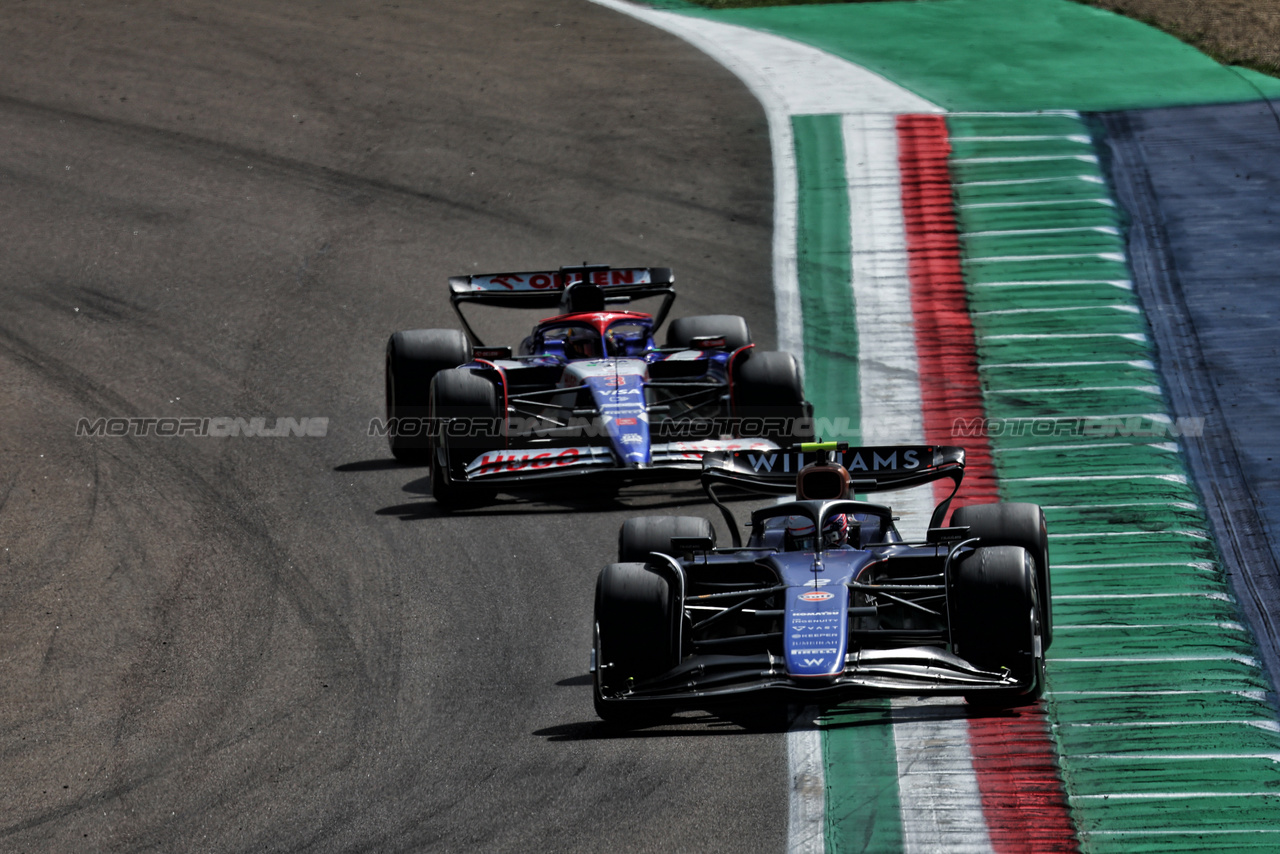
588 393
826 601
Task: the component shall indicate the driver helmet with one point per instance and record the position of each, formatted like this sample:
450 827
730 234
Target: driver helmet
616 344
582 344
835 532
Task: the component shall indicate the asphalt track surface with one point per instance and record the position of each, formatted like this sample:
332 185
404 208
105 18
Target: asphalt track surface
278 644
1202 186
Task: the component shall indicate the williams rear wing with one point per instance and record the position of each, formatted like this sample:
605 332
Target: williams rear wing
544 289
871 469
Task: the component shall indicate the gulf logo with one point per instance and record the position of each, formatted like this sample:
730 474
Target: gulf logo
816 596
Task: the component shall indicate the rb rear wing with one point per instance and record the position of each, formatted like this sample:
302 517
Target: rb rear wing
544 289
871 468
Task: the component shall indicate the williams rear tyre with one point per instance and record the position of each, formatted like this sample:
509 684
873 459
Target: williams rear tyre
732 328
644 534
1015 524
995 622
473 421
768 398
635 639
414 357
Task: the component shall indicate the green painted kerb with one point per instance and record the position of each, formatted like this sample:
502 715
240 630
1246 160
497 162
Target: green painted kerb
860 761
1165 737
863 813
1020 55
823 269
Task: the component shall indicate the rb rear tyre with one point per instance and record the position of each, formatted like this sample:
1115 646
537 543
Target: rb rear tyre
644 534
413 359
476 423
731 327
766 388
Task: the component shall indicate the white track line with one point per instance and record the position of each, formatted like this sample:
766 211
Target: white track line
1137 337
1038 204
889 372
941 802
1023 232
938 794
1027 158
1123 284
806 820
1117 257
1268 725
1079 138
792 79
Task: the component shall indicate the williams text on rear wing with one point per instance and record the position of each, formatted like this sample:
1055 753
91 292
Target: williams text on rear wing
871 468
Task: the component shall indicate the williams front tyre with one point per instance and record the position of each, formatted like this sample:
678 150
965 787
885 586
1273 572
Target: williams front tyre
635 639
995 622
1015 524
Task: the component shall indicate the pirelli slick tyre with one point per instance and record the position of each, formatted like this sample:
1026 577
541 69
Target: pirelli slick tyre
414 357
1015 524
995 622
452 495
732 328
635 639
768 397
473 420
644 534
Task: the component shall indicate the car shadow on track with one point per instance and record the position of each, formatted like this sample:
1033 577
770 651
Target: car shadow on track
683 725
577 497
727 721
379 464
526 506
774 719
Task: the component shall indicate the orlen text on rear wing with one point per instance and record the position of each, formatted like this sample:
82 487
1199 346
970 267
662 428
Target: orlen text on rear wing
871 469
544 289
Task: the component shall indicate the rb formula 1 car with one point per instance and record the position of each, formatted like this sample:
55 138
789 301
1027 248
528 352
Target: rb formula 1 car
589 392
826 601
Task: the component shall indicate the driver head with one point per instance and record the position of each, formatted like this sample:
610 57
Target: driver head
582 344
799 537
